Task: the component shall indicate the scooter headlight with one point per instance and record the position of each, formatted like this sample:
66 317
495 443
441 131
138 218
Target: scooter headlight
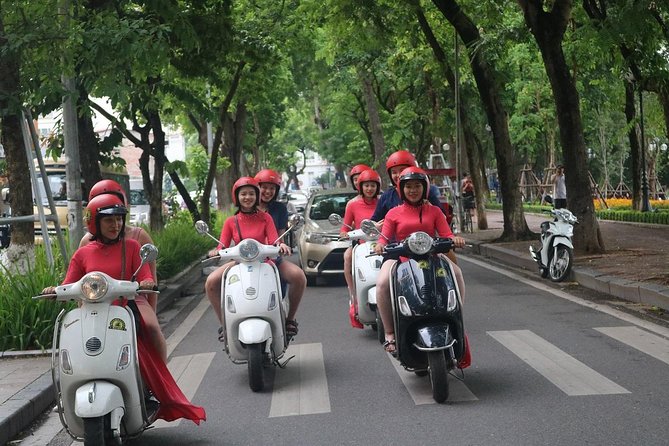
94 286
249 250
419 243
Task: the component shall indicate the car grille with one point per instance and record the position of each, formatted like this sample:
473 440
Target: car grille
334 260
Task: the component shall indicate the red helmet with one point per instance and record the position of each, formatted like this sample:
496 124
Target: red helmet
357 170
413 173
105 204
269 176
245 181
367 176
108 187
400 158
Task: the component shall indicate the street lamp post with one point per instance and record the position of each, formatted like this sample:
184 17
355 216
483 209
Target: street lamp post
645 200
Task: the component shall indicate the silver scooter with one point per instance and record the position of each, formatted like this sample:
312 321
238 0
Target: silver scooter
556 253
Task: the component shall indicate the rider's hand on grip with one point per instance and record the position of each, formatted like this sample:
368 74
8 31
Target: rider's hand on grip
49 293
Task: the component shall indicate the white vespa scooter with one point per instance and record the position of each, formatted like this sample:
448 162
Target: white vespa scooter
94 363
253 308
365 267
556 253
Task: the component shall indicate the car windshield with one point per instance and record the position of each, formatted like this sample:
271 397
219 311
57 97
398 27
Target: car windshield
58 186
326 204
137 197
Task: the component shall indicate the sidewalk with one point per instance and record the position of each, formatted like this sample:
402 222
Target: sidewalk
26 388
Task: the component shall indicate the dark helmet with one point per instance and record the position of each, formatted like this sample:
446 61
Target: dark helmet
269 176
367 176
245 181
400 158
100 206
357 170
108 187
413 173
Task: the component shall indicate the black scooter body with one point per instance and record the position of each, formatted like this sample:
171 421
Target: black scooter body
424 283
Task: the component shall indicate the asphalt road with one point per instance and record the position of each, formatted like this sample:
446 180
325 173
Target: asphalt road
548 368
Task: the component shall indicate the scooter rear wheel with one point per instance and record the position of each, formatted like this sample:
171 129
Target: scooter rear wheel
438 375
255 367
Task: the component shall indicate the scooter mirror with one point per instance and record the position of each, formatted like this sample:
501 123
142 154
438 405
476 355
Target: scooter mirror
296 221
148 253
201 227
369 228
335 219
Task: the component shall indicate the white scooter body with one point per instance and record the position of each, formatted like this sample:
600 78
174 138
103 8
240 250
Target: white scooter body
558 232
253 308
95 366
365 269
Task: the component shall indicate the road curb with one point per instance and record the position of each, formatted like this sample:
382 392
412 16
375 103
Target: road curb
19 411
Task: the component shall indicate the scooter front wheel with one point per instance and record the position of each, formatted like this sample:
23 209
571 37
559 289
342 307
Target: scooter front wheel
255 367
560 265
438 375
97 432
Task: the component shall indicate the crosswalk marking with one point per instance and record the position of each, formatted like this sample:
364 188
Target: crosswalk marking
188 371
420 389
301 388
641 340
567 373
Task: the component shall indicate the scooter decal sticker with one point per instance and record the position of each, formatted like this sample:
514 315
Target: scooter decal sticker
423 264
117 324
441 272
234 278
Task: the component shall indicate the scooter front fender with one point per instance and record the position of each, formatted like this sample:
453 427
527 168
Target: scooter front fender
254 331
559 240
434 338
97 398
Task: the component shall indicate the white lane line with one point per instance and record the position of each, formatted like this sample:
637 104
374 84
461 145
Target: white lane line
657 329
567 373
649 344
187 325
420 389
188 371
302 387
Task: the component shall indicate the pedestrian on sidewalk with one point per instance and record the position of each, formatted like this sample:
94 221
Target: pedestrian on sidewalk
560 188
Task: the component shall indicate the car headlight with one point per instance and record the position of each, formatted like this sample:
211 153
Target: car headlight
249 250
419 243
94 286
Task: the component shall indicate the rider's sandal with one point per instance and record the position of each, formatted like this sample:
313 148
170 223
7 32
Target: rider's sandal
291 328
390 347
221 334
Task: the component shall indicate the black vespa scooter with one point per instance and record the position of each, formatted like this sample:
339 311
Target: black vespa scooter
427 310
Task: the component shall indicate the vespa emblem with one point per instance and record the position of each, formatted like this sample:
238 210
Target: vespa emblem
117 324
67 325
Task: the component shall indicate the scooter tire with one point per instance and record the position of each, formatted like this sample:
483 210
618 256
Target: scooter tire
255 367
559 272
438 375
97 431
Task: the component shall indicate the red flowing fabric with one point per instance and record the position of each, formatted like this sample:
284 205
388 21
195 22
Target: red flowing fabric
156 375
466 359
352 314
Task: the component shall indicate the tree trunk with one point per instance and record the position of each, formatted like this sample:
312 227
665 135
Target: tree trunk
88 144
515 225
548 29
378 142
635 146
21 197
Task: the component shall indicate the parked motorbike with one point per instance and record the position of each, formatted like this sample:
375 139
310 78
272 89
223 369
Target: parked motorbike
427 309
253 308
99 390
556 253
365 267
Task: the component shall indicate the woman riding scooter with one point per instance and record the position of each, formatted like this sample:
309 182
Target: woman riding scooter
368 185
414 214
111 253
247 222
270 184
